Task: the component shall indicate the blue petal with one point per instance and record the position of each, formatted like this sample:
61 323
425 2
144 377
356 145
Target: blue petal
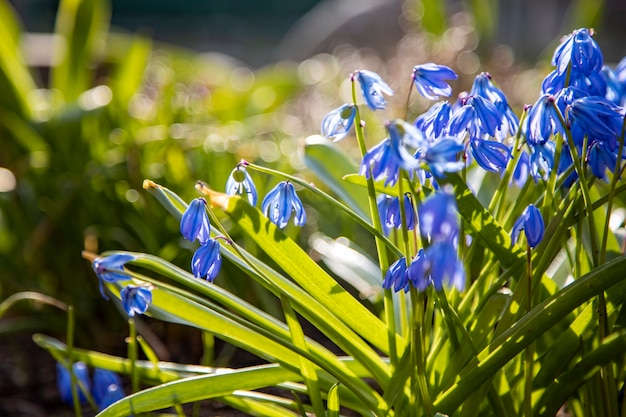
135 300
195 222
207 260
372 88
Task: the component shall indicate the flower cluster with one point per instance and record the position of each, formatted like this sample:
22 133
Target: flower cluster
581 98
207 259
437 264
281 201
105 390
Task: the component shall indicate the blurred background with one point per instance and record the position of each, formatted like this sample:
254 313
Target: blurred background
99 95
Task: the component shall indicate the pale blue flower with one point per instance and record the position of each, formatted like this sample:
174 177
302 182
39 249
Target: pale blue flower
373 87
111 269
280 202
337 124
136 299
239 182
430 80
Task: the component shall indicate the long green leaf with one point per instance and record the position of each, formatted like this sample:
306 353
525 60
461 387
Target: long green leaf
309 275
199 388
528 329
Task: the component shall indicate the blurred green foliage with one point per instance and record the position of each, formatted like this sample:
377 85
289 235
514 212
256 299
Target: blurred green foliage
80 135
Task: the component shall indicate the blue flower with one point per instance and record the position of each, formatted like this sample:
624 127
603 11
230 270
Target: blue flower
438 218
135 299
393 217
280 202
64 381
380 162
383 203
532 223
489 154
597 117
396 277
484 87
338 122
522 169
111 269
207 260
439 265
581 51
477 115
430 80
541 160
442 156
543 120
373 87
107 388
240 182
601 158
195 221
434 122
614 87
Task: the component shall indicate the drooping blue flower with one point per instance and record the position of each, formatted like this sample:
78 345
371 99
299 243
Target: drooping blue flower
239 182
383 202
478 116
531 222
402 136
280 202
396 277
542 121
434 121
338 122
581 51
107 388
601 158
614 87
598 118
393 216
430 80
373 87
207 260
522 170
541 160
437 265
380 162
136 299
442 156
111 269
484 87
64 382
195 221
489 154
438 218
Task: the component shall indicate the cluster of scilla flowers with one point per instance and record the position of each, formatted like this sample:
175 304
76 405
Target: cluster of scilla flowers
278 205
104 391
580 101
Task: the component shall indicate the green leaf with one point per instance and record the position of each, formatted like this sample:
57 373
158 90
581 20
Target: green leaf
310 276
331 165
199 388
16 82
528 329
333 401
82 24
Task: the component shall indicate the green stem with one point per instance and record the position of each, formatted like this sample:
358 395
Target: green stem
132 356
418 377
71 324
609 206
383 260
530 349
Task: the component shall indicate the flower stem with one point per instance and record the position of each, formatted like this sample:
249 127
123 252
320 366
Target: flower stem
530 349
383 260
